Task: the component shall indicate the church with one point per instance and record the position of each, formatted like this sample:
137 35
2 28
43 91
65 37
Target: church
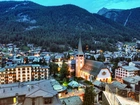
89 69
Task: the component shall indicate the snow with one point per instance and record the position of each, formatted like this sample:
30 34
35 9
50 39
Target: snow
127 19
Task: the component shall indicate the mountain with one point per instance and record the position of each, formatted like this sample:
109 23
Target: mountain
129 18
27 22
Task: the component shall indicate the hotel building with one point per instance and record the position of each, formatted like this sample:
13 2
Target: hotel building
126 71
22 73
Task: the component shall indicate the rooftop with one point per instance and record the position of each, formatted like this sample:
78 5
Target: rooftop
132 80
31 89
92 67
118 85
130 68
74 100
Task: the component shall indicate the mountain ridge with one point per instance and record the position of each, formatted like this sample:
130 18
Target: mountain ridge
54 25
128 17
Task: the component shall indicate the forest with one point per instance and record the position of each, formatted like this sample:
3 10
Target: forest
56 28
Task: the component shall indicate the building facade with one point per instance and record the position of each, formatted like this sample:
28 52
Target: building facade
22 73
80 59
126 71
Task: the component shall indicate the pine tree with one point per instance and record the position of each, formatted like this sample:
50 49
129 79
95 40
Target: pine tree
64 71
89 96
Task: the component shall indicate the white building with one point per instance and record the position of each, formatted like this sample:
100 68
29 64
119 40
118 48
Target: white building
125 71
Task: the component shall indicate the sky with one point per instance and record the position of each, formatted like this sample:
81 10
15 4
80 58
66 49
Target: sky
91 5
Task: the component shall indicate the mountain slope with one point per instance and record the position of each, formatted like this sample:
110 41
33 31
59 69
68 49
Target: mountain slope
27 22
129 18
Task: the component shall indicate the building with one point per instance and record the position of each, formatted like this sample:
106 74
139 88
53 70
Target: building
90 69
29 93
22 73
73 100
80 60
94 70
126 71
133 83
116 94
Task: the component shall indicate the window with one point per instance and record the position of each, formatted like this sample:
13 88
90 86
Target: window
33 101
103 73
47 101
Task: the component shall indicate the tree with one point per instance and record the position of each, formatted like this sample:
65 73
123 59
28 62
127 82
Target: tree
92 58
64 71
89 96
101 58
53 68
42 62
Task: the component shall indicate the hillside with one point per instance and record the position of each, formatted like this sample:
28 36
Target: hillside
27 22
128 18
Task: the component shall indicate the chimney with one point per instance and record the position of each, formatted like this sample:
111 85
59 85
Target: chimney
32 87
3 90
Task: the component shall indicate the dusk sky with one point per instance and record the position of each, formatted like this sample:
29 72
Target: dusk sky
92 5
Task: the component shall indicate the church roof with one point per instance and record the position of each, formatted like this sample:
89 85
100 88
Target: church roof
80 51
92 67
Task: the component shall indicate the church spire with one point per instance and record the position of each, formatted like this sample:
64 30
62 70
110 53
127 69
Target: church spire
80 51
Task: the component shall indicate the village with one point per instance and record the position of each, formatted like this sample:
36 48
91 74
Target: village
38 77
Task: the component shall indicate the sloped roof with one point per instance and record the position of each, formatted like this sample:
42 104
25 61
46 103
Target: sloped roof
130 68
97 83
74 100
39 92
92 67
30 89
118 85
132 80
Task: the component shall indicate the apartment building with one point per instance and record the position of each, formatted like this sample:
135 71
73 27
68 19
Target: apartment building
126 71
22 73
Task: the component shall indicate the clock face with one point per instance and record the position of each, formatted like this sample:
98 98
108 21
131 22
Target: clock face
103 73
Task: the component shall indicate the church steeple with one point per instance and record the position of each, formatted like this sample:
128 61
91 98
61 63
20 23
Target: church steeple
79 59
80 51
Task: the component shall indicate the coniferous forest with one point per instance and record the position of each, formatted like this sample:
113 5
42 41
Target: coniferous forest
56 28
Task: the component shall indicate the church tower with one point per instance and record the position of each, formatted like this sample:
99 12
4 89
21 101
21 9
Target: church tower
79 59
